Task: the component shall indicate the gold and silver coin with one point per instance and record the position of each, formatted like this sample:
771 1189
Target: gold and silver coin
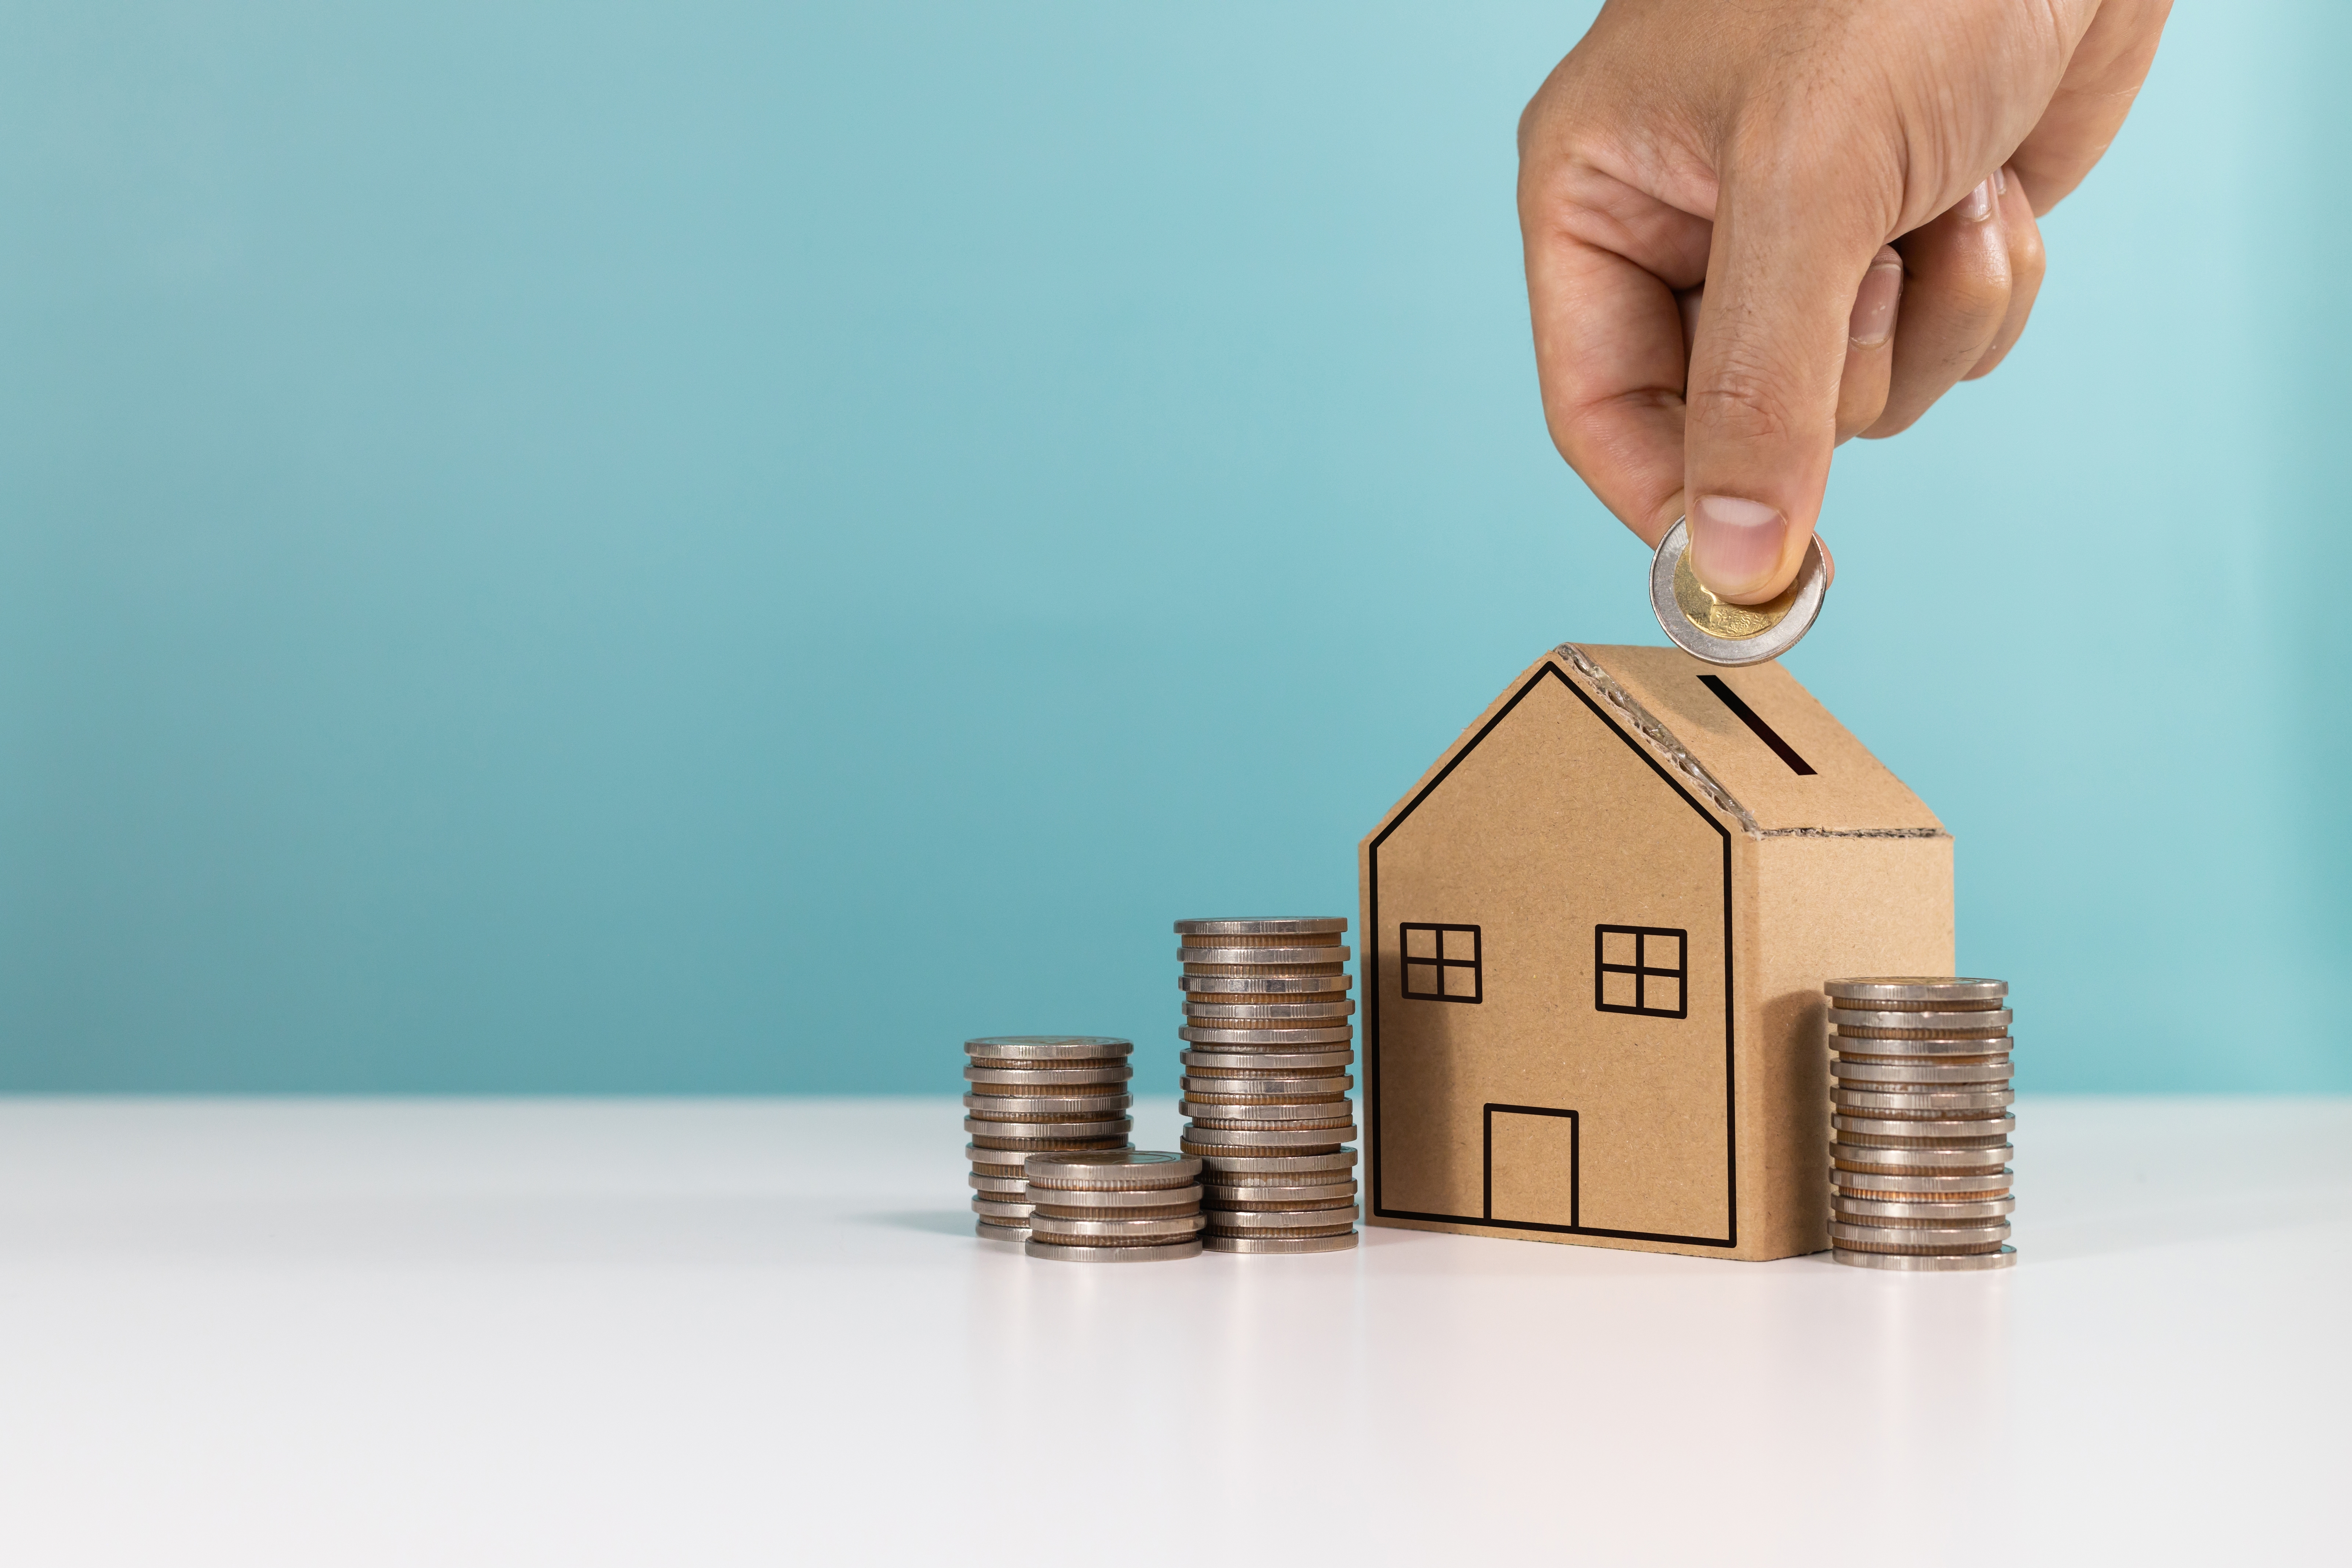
1719 631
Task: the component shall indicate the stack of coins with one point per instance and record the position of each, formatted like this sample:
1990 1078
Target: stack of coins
1038 1094
1919 1148
1121 1205
1268 1047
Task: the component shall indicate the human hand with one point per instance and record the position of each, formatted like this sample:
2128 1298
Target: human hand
1707 193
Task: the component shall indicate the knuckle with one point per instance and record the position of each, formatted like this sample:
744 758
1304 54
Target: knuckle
1742 402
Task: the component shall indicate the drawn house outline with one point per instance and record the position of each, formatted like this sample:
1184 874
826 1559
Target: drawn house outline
1613 809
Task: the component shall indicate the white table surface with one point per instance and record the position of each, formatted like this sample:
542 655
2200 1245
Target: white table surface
713 1332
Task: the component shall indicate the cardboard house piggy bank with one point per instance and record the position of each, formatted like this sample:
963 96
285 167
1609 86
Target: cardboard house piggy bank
1594 939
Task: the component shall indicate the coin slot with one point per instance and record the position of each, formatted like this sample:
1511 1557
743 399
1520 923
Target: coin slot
1764 733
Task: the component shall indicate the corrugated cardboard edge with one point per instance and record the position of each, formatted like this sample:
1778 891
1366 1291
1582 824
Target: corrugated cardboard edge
1677 757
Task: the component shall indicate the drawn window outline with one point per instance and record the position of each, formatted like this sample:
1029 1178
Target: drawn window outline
1442 963
1642 970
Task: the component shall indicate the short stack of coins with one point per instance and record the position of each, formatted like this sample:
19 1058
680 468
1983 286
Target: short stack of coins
1268 1045
1121 1206
1038 1094
1920 1121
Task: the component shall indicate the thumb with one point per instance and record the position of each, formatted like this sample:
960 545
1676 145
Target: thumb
1786 262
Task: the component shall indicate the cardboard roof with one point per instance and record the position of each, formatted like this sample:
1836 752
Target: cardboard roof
1780 762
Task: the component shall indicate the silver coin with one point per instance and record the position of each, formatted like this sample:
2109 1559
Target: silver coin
1244 1170
1911 1187
1048 1078
1281 1243
1275 1140
1915 988
1268 1138
1219 1090
1110 1199
1266 925
1003 1213
1923 1052
1922 1133
1928 1262
1045 1133
1269 957
1046 1047
1254 1220
1020 1149
988 1230
1723 633
1253 1010
1225 1197
1052 1253
1263 985
1212 1114
1855 1071
1114 1168
1010 1162
1924 1100
1995 1020
1934 1209
1168 1227
1001 1185
1846 1155
1316 1062
1276 1039
1047 1107
1914 1235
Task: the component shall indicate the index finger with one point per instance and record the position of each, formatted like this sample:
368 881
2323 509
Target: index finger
1610 351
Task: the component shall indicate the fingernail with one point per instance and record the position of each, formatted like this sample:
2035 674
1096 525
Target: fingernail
1875 303
1977 205
1735 544
2001 182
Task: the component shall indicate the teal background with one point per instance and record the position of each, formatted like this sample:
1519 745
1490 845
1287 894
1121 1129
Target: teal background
698 547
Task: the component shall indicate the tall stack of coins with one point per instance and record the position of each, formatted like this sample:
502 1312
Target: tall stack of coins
1267 1047
1038 1094
1121 1206
1919 1153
